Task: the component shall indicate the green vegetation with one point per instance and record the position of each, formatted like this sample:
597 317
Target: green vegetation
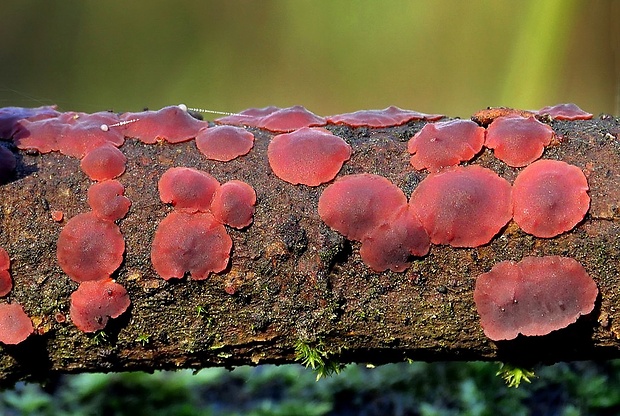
315 357
514 375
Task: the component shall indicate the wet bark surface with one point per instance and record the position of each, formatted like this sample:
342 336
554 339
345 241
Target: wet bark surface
292 278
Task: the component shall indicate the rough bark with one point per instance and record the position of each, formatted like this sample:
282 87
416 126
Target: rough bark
293 278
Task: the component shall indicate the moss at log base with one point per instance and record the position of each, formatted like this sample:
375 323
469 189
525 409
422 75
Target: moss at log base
291 277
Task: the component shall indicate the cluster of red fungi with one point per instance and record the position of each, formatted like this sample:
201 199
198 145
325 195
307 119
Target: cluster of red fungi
460 206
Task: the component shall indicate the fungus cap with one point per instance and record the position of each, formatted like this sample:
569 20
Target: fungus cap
6 283
103 163
533 297
567 111
309 156
233 204
15 325
171 124
518 141
10 116
82 133
41 135
187 189
290 119
95 302
250 117
388 117
224 143
445 143
462 206
550 197
107 201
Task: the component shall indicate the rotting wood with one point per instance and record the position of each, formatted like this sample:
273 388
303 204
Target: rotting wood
293 278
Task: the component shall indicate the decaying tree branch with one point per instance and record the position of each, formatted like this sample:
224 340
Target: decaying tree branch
292 280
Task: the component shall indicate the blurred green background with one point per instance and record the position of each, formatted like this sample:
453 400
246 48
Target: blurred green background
332 56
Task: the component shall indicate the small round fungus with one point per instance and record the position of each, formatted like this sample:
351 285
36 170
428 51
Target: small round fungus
233 204
446 143
390 245
550 197
462 206
309 156
289 119
90 248
8 163
224 143
390 116
518 141
107 201
104 162
250 117
187 189
15 325
355 205
568 111
6 283
533 297
170 123
94 303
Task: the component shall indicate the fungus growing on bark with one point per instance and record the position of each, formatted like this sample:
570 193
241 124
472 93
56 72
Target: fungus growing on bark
250 117
446 143
8 163
41 135
94 303
533 297
15 325
90 248
9 116
518 141
233 204
107 201
550 197
6 283
104 162
224 143
187 189
171 124
568 111
390 116
486 116
289 119
196 243
462 206
309 156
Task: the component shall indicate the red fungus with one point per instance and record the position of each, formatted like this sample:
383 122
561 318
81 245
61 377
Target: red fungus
41 135
94 303
82 133
309 156
355 205
107 201
445 143
486 116
15 325
187 189
90 248
462 206
250 117
104 162
172 124
8 163
6 283
57 215
568 111
390 116
518 141
195 243
550 197
533 297
233 204
224 143
10 116
289 119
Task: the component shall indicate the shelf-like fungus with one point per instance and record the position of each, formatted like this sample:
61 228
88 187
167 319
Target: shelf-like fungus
172 124
388 117
567 111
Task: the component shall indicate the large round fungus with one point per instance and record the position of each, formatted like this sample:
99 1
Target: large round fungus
462 206
172 124
518 141
107 201
446 143
6 283
289 119
90 248
310 156
195 243
224 143
187 189
550 197
104 162
15 325
233 204
93 303
390 116
533 297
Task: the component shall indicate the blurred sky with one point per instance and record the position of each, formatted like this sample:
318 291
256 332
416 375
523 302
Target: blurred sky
332 56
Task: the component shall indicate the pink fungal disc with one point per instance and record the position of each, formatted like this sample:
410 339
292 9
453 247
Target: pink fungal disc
533 297
446 143
82 133
107 201
41 135
250 117
289 119
462 206
104 162
10 116
355 205
171 124
518 141
309 156
550 197
6 283
90 248
390 116
390 245
233 204
195 243
224 143
95 302
187 189
568 111
15 325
